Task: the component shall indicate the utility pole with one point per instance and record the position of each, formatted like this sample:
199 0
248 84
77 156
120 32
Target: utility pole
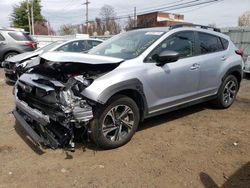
28 12
87 15
135 20
32 17
48 27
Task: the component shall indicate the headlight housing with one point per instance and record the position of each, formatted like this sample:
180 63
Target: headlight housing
24 64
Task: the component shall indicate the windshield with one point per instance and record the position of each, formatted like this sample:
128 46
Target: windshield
127 45
49 47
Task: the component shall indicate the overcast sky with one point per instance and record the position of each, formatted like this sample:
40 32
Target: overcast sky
224 13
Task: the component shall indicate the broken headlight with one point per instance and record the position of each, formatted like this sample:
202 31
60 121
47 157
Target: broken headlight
23 64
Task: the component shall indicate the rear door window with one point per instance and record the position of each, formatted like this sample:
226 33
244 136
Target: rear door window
19 36
209 43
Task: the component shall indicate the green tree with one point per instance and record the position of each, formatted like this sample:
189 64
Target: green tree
19 16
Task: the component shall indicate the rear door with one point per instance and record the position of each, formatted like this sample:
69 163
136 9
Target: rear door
212 56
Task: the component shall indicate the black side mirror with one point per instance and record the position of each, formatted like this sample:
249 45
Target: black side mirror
166 57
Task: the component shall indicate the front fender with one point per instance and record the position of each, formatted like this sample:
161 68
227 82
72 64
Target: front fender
132 84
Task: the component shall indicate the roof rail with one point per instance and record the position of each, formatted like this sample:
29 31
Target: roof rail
194 25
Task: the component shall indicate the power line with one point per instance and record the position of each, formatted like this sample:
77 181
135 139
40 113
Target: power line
200 7
151 7
157 9
169 8
188 4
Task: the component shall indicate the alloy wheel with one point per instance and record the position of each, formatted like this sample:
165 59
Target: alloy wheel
229 92
118 123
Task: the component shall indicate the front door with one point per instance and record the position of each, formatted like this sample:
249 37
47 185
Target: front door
174 83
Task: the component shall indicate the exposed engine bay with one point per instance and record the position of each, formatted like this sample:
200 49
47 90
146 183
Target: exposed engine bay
49 103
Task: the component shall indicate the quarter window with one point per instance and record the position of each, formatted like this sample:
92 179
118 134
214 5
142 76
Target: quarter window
209 43
1 38
225 43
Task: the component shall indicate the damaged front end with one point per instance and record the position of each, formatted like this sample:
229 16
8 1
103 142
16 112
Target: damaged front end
49 103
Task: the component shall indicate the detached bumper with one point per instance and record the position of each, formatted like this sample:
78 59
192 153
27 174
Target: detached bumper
46 126
35 128
38 140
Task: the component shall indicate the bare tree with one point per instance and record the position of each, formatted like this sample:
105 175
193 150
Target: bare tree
244 19
42 28
99 28
108 17
130 23
68 29
212 25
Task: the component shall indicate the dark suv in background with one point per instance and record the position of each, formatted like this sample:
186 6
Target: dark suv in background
13 42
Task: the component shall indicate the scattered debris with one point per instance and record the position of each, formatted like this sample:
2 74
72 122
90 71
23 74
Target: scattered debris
235 143
63 170
101 166
224 176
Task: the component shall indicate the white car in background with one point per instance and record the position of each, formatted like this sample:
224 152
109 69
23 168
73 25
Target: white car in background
247 66
15 65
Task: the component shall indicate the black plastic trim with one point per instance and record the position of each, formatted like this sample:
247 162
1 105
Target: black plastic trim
31 133
132 84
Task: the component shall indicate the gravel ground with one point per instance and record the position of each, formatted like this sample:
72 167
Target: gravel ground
193 147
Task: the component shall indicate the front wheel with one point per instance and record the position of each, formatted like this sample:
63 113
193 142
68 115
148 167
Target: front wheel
9 55
227 93
115 123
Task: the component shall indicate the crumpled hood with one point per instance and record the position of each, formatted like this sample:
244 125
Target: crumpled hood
22 56
56 64
79 58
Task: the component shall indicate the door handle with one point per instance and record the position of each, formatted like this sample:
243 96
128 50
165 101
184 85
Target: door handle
223 58
2 43
195 66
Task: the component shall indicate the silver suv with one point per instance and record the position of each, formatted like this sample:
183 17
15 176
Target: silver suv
13 42
132 76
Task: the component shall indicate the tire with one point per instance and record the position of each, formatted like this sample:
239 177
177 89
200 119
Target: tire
9 54
227 93
108 132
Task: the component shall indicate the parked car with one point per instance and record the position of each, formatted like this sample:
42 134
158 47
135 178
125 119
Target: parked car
15 66
247 66
126 79
13 42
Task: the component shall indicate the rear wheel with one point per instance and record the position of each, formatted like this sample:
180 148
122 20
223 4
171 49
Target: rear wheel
227 92
115 123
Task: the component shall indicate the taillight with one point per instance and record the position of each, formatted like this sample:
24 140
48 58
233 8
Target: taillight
31 44
239 52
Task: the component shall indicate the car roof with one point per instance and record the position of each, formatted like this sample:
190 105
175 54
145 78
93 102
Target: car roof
168 28
159 29
77 39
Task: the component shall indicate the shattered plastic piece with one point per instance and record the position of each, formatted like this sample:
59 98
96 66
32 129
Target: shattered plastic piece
63 170
235 143
101 166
